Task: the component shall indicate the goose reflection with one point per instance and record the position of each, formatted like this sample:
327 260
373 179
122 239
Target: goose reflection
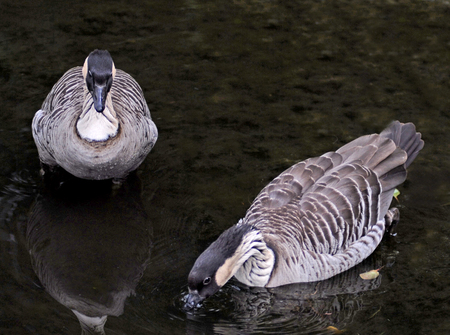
301 308
89 246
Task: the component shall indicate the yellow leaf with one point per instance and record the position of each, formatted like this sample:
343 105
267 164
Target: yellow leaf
372 274
335 330
396 194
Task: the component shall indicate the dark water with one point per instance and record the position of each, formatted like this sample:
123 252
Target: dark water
239 90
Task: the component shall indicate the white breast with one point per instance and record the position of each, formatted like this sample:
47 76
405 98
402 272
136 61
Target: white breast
95 126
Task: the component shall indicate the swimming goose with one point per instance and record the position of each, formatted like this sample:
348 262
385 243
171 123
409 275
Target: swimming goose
318 218
95 122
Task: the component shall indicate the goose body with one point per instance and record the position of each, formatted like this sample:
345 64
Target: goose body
318 218
95 122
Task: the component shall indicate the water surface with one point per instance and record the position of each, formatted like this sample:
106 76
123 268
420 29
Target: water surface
239 90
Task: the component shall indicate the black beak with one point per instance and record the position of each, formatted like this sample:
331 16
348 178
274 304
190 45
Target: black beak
99 96
193 299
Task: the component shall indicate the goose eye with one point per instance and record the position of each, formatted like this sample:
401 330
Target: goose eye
206 281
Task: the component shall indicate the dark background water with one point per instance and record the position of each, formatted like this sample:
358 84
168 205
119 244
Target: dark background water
239 90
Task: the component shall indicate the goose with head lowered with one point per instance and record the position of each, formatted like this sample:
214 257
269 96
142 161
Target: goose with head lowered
95 122
318 218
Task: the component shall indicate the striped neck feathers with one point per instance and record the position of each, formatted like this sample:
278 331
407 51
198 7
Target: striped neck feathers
251 263
93 126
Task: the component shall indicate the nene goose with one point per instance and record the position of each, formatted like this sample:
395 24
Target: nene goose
318 218
94 123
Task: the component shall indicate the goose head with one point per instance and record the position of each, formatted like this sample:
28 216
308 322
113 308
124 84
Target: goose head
98 73
233 253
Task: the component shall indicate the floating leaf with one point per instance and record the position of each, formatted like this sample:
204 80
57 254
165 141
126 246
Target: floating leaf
396 194
372 274
335 330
